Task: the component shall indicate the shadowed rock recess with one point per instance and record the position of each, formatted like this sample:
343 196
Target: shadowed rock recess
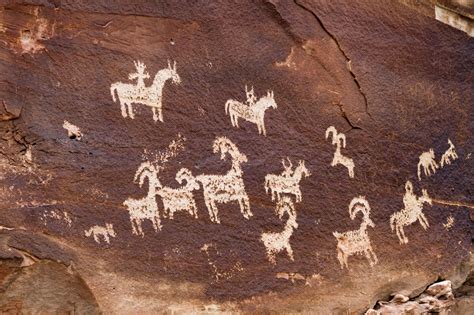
235 156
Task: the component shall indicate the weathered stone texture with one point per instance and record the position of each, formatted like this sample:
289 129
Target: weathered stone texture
386 74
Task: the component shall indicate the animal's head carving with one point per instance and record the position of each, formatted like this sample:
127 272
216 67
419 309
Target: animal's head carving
174 74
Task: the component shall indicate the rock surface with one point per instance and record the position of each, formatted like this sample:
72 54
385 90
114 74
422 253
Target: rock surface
106 193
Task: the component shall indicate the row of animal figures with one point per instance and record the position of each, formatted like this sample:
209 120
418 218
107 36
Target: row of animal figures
224 188
252 110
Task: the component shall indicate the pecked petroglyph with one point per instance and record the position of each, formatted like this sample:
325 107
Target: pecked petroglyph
217 273
288 182
449 223
252 111
339 139
427 161
146 208
280 241
73 132
449 155
151 96
228 187
357 241
180 199
97 232
56 215
412 212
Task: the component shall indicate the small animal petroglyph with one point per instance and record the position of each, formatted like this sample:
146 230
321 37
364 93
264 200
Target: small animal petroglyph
288 182
73 132
219 273
228 187
411 212
253 111
144 208
56 215
449 155
427 161
151 96
358 241
180 199
105 232
280 241
339 139
449 223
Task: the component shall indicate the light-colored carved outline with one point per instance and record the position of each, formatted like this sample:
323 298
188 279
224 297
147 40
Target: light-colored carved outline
449 155
105 232
339 139
427 161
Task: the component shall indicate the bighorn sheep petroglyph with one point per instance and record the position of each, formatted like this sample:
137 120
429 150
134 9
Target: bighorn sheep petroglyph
227 187
411 212
358 241
140 94
180 199
103 231
288 182
145 208
339 139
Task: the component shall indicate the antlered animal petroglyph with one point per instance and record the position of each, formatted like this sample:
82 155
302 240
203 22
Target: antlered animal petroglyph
449 155
411 212
144 208
180 199
358 241
105 232
288 182
280 241
228 187
253 111
151 96
339 139
427 161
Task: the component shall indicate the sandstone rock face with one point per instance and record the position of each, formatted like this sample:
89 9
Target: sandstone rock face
255 156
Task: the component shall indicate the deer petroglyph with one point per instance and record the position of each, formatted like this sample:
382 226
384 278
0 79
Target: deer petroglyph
276 242
411 212
139 93
227 187
339 139
357 241
449 155
253 111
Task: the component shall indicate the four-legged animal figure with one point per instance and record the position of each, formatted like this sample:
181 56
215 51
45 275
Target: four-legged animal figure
449 155
339 139
288 182
427 161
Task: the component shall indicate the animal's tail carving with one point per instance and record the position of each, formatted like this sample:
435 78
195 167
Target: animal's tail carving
392 222
227 105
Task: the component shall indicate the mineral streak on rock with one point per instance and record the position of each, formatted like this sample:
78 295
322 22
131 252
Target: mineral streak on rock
171 211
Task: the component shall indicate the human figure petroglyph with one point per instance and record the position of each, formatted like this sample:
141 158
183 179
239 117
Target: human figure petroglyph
180 199
105 232
357 241
145 208
288 182
253 111
339 139
227 187
276 242
412 212
427 161
151 96
449 155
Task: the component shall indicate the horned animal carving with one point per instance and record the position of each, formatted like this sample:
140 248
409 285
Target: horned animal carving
253 111
356 242
288 182
280 241
180 199
411 212
427 161
339 139
227 187
145 208
97 231
151 96
449 155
